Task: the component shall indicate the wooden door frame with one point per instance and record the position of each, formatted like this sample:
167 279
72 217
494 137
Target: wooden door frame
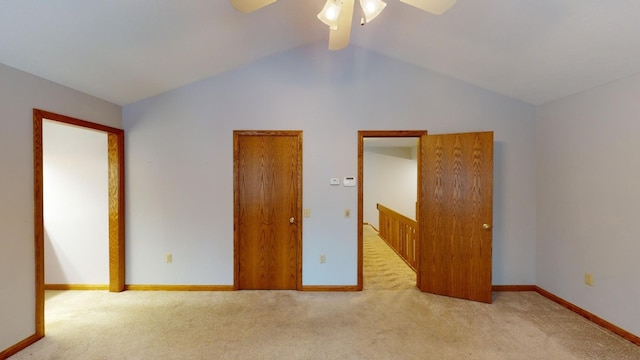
390 134
236 205
115 140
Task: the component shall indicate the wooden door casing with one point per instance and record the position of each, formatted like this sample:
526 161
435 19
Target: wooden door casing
115 156
267 194
456 196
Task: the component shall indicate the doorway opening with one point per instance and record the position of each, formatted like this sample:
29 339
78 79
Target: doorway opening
454 212
115 160
75 203
394 138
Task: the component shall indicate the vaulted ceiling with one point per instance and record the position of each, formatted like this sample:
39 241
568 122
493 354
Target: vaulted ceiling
126 50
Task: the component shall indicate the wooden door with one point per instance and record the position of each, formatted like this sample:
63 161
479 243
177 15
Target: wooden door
267 209
456 213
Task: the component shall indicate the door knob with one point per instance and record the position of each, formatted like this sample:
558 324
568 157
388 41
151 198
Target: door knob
292 220
486 226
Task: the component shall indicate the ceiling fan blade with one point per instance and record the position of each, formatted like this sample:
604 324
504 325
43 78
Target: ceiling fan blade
437 7
339 38
247 6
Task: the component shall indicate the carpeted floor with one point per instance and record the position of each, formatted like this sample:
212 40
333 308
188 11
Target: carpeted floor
377 323
383 269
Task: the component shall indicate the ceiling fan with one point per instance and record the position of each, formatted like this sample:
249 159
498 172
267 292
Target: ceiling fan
338 14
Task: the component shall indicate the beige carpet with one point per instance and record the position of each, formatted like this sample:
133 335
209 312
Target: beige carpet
383 269
377 323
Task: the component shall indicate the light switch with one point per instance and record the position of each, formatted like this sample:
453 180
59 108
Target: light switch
307 212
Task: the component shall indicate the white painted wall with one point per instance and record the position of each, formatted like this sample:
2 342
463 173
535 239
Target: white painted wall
390 179
179 168
19 94
76 205
589 200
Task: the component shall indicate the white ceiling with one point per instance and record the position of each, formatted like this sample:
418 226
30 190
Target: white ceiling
127 50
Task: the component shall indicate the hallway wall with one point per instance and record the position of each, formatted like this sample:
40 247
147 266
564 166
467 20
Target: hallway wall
390 179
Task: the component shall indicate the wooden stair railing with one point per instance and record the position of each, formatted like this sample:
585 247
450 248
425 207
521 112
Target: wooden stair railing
400 233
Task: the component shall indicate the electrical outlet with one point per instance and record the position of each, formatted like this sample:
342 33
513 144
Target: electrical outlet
588 279
323 259
168 258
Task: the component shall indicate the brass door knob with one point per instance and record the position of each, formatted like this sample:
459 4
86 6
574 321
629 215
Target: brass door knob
292 220
486 226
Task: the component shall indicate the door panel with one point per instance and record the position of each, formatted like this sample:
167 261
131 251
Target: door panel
456 214
267 231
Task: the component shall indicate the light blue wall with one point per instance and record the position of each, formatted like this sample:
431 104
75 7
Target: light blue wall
179 164
589 200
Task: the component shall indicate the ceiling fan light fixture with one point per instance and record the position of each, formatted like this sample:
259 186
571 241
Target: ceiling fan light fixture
372 8
330 12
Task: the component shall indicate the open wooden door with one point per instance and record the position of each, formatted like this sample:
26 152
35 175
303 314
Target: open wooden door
456 214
